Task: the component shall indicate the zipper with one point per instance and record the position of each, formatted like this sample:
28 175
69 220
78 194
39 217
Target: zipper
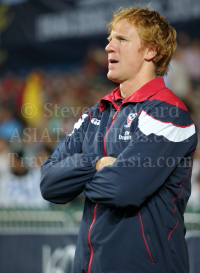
113 121
96 206
89 239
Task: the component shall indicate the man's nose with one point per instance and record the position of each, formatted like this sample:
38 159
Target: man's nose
110 47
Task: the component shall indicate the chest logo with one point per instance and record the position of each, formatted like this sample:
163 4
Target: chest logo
126 136
95 121
130 118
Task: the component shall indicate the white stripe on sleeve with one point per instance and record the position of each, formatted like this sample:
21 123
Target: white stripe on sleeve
148 125
78 124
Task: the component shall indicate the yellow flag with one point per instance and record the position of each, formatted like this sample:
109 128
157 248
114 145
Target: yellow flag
32 108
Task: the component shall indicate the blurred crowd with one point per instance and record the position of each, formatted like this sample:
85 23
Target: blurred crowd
38 111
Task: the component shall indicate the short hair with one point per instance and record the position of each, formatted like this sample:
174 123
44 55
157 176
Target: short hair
154 30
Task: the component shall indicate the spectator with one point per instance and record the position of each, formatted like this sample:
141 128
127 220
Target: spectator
178 78
194 201
20 185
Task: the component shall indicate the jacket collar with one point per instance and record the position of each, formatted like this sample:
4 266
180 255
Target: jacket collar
142 94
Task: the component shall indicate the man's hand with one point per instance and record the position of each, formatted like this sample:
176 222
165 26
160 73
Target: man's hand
104 161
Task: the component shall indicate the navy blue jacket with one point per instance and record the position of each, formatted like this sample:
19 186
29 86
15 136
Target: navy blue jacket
133 213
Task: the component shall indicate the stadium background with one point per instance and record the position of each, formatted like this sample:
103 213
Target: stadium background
53 67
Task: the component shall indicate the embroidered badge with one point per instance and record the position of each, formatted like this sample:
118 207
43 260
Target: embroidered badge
95 121
130 118
126 136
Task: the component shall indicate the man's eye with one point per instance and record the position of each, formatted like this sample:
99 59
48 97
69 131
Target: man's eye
121 39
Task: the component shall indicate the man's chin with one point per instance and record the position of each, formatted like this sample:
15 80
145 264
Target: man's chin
113 78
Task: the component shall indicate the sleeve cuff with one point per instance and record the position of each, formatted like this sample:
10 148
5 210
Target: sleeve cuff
89 160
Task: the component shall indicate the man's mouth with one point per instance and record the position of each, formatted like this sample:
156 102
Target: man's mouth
112 61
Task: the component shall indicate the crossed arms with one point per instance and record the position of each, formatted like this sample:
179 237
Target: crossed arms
126 180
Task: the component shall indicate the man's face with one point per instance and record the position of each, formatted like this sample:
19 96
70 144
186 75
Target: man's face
126 55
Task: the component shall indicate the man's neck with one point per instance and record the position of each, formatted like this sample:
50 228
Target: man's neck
128 88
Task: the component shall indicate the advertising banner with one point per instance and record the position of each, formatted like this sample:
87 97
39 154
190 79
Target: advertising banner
53 251
43 252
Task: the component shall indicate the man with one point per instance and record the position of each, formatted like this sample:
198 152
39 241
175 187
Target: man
131 155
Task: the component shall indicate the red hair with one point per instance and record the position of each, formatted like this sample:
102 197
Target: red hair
154 31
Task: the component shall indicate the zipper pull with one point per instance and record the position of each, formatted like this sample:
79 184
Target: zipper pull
115 115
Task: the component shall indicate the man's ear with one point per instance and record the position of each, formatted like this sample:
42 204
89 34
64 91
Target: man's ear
151 53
